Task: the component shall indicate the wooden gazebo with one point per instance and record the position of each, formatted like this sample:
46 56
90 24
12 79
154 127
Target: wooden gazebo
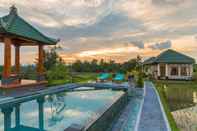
15 31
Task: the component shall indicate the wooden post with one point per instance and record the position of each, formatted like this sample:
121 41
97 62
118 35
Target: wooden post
40 60
17 59
7 57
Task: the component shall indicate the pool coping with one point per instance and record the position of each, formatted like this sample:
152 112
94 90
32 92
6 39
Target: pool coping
162 109
140 111
102 111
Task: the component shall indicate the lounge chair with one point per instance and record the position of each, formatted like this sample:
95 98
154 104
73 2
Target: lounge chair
103 76
119 77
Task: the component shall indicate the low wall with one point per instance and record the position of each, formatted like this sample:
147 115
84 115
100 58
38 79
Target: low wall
105 120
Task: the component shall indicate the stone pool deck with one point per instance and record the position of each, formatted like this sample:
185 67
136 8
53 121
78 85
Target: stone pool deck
152 115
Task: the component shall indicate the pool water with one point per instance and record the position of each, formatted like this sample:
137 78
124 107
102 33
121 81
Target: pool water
183 106
133 114
128 118
62 110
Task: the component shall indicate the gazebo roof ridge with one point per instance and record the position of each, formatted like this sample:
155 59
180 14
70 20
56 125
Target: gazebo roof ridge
15 25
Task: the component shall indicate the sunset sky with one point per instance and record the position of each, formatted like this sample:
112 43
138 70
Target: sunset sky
110 29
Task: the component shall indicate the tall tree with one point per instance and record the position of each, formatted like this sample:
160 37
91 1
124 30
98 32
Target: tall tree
52 58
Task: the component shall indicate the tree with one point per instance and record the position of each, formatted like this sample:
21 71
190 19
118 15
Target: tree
58 72
107 66
77 66
52 58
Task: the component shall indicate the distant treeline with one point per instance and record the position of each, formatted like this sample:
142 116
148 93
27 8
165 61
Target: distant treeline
105 66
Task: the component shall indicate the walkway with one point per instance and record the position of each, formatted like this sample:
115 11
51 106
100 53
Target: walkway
152 118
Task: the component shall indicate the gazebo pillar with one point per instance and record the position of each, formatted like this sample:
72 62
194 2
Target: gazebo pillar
17 59
7 60
40 68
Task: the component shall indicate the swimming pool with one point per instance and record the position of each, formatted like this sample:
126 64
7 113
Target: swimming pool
67 108
127 121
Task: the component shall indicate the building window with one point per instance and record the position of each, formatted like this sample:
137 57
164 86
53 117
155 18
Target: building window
174 71
184 71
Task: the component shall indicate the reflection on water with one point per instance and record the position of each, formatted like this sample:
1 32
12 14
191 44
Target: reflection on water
58 104
62 110
180 98
183 104
1 122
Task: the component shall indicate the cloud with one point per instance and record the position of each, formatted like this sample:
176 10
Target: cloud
64 12
139 44
162 45
168 2
89 26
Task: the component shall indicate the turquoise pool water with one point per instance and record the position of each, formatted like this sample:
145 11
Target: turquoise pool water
64 109
133 114
128 118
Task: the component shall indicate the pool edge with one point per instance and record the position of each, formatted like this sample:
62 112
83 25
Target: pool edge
140 111
122 102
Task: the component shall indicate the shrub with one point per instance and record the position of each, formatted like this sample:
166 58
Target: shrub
138 77
58 72
140 80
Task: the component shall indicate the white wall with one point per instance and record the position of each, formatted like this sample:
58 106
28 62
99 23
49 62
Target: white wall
152 69
179 76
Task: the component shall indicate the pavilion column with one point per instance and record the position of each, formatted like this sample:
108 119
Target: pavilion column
7 57
7 61
40 68
17 59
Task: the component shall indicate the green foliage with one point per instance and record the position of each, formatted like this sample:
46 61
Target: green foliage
29 72
52 58
1 70
76 78
58 72
137 72
163 98
106 66
140 80
84 77
195 67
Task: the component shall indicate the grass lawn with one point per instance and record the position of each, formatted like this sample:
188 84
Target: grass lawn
76 78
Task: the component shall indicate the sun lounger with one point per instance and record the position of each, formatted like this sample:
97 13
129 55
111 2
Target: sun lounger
103 76
119 77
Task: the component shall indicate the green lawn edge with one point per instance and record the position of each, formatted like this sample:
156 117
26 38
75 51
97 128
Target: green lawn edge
170 118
